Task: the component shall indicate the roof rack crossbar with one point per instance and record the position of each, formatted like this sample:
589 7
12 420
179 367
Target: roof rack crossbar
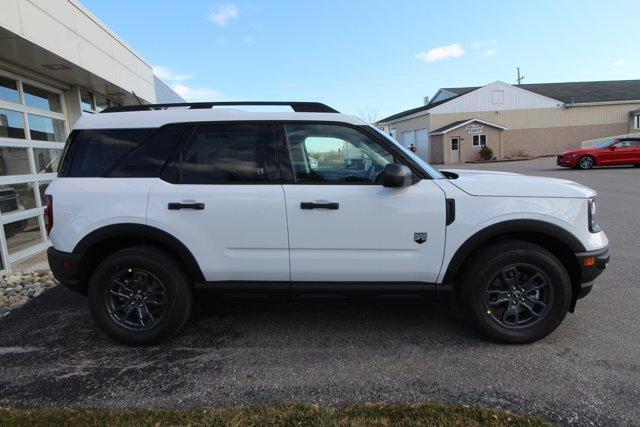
298 107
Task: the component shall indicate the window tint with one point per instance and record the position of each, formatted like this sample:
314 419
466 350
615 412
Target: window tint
335 154
147 160
229 153
92 153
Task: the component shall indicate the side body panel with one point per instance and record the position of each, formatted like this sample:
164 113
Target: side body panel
241 234
370 238
82 205
474 213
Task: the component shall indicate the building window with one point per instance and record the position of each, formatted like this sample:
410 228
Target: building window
636 121
455 144
479 140
33 128
93 103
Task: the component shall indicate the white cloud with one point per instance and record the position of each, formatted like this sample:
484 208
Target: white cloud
619 63
166 73
196 93
221 14
248 40
222 40
488 53
442 52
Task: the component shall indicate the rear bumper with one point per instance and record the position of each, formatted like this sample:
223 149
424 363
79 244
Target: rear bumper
65 267
592 264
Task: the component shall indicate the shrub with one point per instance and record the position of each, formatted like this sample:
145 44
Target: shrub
486 153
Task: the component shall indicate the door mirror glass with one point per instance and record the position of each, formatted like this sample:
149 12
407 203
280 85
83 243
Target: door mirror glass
397 175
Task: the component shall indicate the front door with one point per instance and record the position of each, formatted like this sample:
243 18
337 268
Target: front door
344 226
455 150
222 197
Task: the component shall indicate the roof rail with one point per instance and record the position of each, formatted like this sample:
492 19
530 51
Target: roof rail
298 107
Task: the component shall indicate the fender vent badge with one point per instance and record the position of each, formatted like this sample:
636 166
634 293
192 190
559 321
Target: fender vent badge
419 238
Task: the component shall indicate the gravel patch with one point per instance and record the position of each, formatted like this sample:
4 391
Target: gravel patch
18 287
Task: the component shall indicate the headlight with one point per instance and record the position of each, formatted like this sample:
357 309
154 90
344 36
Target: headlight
593 225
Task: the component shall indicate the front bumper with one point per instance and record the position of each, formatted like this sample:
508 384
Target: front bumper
592 264
65 267
567 162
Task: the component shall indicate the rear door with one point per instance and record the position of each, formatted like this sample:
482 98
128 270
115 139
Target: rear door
344 226
221 195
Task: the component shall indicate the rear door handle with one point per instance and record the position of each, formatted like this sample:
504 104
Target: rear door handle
177 206
312 205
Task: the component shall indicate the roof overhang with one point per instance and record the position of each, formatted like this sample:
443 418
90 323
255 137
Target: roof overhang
466 122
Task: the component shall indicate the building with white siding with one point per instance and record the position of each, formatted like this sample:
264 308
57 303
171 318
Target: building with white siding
513 120
57 62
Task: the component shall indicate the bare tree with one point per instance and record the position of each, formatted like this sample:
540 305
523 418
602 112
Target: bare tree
369 114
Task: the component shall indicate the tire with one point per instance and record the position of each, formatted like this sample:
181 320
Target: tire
123 313
586 162
482 296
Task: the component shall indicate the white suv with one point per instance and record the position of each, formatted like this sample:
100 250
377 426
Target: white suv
158 205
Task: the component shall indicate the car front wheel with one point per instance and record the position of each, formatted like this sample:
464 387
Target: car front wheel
515 292
140 295
586 162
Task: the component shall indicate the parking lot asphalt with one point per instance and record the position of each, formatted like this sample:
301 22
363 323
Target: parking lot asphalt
345 351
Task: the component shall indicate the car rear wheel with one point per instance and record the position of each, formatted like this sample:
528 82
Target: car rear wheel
140 295
586 162
515 292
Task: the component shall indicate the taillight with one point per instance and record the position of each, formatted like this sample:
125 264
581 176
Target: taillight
49 213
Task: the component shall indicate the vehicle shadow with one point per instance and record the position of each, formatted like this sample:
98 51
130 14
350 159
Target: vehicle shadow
329 321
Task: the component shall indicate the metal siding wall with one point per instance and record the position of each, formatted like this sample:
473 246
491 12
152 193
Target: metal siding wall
545 117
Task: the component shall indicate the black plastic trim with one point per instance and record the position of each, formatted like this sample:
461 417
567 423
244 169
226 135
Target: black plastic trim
590 273
450 211
144 232
69 276
298 107
511 226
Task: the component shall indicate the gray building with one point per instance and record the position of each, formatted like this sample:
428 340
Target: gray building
57 62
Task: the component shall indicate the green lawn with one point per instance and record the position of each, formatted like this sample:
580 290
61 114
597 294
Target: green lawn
281 415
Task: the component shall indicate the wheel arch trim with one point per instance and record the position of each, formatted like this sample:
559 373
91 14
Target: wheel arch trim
146 233
505 228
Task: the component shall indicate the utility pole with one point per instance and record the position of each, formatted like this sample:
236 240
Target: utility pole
520 78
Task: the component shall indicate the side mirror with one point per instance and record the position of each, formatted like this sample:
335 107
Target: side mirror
612 147
396 176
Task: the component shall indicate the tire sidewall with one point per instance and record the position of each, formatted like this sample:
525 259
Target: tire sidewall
585 168
165 269
485 272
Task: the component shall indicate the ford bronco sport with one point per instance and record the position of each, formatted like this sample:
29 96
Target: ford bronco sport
156 206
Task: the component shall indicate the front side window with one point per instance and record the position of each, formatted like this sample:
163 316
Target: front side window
479 140
335 154
229 154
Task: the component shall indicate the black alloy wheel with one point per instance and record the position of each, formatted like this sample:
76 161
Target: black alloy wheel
518 296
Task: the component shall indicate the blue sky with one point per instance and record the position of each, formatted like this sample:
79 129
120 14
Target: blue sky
373 58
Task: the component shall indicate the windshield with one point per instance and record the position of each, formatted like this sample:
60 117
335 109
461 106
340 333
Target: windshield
433 172
606 143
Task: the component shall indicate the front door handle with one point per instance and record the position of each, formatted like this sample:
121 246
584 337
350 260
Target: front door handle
312 205
176 206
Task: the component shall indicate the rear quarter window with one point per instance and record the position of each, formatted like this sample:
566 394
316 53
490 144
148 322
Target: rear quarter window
119 153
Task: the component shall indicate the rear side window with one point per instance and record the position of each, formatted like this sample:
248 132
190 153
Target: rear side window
95 152
148 159
228 153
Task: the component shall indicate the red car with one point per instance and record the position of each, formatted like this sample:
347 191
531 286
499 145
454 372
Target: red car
623 151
